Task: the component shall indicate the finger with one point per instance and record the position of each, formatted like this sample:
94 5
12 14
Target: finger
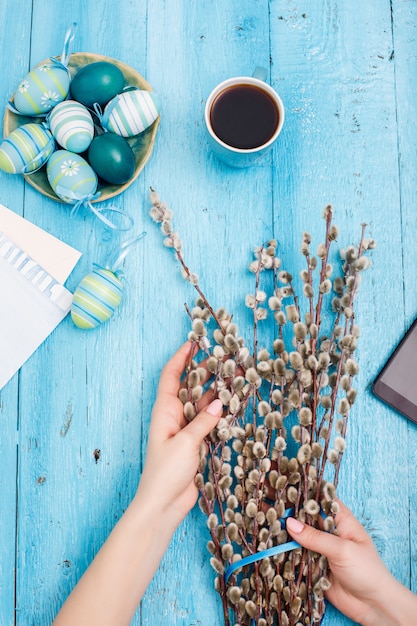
205 399
348 526
169 381
202 365
204 421
313 539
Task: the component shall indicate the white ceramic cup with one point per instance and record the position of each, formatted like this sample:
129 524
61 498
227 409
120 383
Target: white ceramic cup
242 157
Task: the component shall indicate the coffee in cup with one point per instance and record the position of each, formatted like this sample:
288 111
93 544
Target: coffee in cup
244 117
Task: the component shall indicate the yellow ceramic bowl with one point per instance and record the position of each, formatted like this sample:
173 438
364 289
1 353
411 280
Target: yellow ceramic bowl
142 145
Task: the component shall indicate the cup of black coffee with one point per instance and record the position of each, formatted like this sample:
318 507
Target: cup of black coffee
244 116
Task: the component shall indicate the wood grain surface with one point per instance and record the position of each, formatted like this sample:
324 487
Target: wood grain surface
74 420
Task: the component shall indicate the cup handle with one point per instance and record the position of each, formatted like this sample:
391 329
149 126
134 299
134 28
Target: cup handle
260 73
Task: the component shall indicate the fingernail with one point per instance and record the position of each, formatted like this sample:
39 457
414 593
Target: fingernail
295 525
214 407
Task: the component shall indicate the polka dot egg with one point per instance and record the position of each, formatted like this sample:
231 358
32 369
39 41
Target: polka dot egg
72 125
96 298
131 112
43 88
70 176
26 149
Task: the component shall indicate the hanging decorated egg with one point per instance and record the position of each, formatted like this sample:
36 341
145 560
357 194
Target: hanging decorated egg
131 112
96 298
26 149
43 88
112 158
70 176
97 83
72 125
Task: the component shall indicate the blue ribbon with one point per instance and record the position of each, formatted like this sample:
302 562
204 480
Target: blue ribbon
13 109
117 257
86 202
26 170
263 554
69 38
99 112
258 556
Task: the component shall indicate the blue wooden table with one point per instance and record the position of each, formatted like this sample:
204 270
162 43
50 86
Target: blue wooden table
74 420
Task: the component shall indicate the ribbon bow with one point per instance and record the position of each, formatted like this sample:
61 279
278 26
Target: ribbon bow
86 201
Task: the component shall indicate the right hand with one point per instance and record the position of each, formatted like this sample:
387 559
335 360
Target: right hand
361 585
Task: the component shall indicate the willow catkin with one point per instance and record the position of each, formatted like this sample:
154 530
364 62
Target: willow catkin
288 394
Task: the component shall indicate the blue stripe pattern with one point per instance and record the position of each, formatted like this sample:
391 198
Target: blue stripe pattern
96 298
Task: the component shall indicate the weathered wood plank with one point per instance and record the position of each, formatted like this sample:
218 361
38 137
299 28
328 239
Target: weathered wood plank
70 494
11 195
405 49
334 65
213 207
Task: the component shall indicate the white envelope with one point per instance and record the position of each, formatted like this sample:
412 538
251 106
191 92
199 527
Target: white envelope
55 256
33 300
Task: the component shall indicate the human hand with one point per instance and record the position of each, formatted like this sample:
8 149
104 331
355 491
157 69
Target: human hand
361 585
116 580
173 453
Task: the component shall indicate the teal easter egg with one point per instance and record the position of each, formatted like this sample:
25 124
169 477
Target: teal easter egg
96 298
72 125
70 176
131 112
97 83
43 88
112 158
26 149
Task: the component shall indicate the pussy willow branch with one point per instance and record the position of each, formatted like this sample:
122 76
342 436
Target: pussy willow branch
296 480
324 262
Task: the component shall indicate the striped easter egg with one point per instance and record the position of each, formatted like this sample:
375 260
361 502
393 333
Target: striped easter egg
72 125
131 112
26 149
43 88
96 298
70 176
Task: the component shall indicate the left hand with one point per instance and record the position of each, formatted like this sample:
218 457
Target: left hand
173 453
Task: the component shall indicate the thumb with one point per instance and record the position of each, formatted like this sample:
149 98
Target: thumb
205 421
313 539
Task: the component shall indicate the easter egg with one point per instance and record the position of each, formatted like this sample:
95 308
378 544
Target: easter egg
112 158
44 87
97 83
26 149
96 298
72 125
70 176
131 112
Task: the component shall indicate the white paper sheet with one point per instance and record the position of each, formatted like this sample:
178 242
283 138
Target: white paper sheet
55 256
33 300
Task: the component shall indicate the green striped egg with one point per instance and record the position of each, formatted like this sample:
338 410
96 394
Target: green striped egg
72 125
70 176
131 112
26 149
43 88
96 298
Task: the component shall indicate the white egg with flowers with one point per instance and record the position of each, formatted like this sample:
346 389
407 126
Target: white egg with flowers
42 89
71 177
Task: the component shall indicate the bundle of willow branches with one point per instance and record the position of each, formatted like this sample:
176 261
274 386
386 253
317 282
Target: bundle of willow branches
277 449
